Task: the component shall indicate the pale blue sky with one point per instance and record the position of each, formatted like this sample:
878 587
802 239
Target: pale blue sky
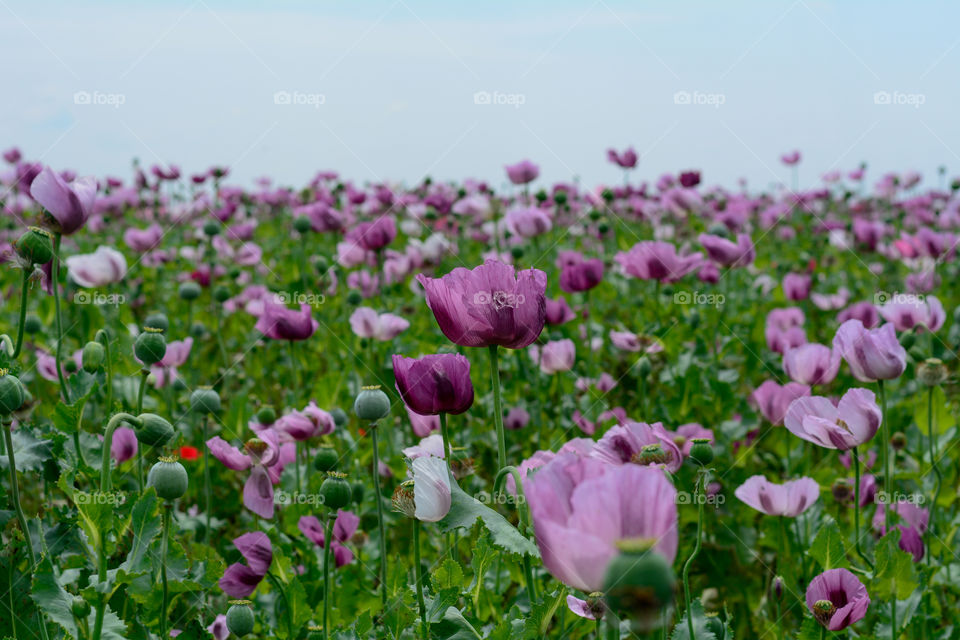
397 81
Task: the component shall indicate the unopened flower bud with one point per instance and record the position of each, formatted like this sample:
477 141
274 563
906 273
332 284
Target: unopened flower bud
354 298
211 228
93 356
777 587
12 395
932 372
205 400
80 608
169 478
32 324
372 404
302 224
35 246
189 291
221 294
267 415
155 431
150 346
240 618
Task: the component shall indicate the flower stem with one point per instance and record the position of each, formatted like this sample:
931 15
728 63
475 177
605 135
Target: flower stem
856 506
23 312
327 591
419 577
104 339
696 551
885 451
446 439
379 500
497 407
143 385
55 276
934 467
207 496
163 568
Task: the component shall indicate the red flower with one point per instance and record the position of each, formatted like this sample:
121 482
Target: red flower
189 453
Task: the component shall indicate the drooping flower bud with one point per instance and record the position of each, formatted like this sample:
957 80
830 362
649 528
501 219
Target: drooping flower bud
932 372
150 346
80 608
335 491
155 431
34 246
372 404
93 356
701 452
205 400
169 478
12 395
240 618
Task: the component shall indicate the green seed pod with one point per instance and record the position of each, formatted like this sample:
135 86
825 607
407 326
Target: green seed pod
70 366
321 265
371 404
150 346
267 415
169 478
198 329
155 431
32 324
157 320
221 293
80 608
932 372
211 228
516 252
639 584
560 197
189 291
354 298
93 356
302 224
35 246
12 395
326 459
644 367
335 491
240 618
358 490
701 452
205 400
339 416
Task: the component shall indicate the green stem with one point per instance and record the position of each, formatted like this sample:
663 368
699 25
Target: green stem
165 535
15 488
446 439
114 422
696 551
55 277
286 603
379 500
856 506
207 496
885 452
419 577
143 385
497 407
23 312
104 339
934 466
327 590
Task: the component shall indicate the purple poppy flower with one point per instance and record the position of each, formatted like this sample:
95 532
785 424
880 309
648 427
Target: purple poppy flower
432 493
851 423
375 235
863 311
528 222
124 444
915 519
434 384
811 364
266 456
489 305
837 599
791 158
627 159
98 269
277 322
796 286
556 356
522 172
626 443
656 261
240 580
423 425
218 628
729 254
516 418
367 323
907 312
773 400
558 311
873 354
69 204
689 179
789 499
343 529
143 240
581 275
582 506
432 445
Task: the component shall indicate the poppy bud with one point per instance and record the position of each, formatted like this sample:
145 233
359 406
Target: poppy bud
357 489
326 459
155 430
12 395
35 246
823 610
93 355
70 366
932 372
354 298
603 228
842 490
302 224
644 367
32 324
266 415
169 478
516 252
339 416
150 346
240 618
777 587
335 491
321 265
701 452
80 608
205 400
157 320
371 404
221 294
898 441
560 197
189 291
211 228
639 583
198 330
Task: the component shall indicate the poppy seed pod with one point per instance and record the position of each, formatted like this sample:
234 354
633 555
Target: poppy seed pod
150 346
155 430
932 372
12 395
80 608
221 294
169 478
339 416
267 415
357 488
371 404
326 459
189 291
211 228
701 452
639 583
35 246
32 324
335 491
240 618
205 400
93 355
842 490
157 320
302 224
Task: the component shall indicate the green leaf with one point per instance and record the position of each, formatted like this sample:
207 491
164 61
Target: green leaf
437 605
364 625
95 514
145 524
895 573
809 630
481 558
455 627
465 510
943 419
29 452
541 614
67 417
448 575
827 546
700 629
52 599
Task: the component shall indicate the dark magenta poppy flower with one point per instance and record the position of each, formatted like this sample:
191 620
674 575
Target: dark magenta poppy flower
434 384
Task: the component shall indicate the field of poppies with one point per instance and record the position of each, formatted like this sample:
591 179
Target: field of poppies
652 409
